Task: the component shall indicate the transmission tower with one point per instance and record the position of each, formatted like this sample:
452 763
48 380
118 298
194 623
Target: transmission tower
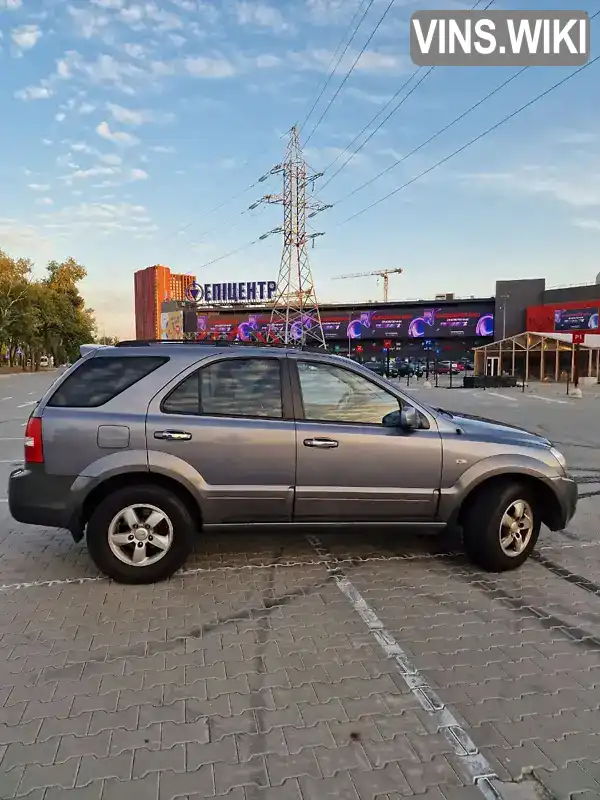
295 318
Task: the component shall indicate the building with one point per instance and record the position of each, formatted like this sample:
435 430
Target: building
527 305
154 286
446 327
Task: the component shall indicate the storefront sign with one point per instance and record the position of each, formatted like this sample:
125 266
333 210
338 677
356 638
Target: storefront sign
231 293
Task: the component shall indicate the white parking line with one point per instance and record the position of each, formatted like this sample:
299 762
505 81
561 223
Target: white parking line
548 399
6 398
475 764
28 403
502 396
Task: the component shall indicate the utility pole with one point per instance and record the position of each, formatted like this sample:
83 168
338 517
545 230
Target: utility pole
295 318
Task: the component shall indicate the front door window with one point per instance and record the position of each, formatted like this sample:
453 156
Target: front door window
334 394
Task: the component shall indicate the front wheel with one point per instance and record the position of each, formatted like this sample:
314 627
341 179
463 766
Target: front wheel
140 534
501 527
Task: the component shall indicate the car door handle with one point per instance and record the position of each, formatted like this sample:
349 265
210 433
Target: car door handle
324 444
173 436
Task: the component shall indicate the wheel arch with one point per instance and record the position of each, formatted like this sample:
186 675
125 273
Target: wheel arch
122 481
547 501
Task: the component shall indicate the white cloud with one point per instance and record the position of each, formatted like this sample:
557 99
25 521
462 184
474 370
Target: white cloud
159 148
267 61
44 201
38 187
134 50
576 190
369 61
87 108
118 137
63 69
368 97
112 159
579 137
60 117
206 67
87 23
10 5
588 224
138 175
261 15
26 37
34 93
127 116
93 172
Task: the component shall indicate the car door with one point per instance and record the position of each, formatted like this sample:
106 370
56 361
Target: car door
226 430
349 465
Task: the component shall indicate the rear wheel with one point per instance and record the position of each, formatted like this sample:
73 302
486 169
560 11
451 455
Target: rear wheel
140 534
501 526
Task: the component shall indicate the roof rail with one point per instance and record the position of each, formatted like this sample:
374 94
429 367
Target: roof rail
205 342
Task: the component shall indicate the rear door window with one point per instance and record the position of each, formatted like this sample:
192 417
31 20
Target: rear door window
99 380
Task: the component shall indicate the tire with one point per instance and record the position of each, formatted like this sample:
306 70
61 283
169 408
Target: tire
108 533
484 532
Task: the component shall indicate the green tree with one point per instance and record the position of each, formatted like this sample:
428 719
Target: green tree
45 316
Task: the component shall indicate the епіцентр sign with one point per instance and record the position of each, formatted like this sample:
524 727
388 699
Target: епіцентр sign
500 38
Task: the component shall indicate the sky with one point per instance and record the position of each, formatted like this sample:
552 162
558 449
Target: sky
136 133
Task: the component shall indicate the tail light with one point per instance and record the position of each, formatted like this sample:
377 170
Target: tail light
34 449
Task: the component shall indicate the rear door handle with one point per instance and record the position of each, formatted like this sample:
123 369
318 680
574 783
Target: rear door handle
173 436
323 444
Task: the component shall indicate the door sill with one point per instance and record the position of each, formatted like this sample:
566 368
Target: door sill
306 525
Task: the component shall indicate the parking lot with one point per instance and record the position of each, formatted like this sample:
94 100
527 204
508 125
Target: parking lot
350 665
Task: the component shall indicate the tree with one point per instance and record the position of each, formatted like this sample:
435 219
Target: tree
110 340
45 316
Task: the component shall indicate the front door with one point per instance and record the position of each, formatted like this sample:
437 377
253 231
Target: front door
492 366
223 431
349 465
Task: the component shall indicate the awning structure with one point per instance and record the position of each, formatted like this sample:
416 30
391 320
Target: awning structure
540 356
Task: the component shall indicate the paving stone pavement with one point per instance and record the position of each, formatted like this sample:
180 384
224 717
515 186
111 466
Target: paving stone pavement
251 676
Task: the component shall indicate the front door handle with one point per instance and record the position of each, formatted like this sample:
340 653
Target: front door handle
173 436
323 444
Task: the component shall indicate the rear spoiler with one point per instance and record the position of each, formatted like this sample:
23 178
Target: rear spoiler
84 349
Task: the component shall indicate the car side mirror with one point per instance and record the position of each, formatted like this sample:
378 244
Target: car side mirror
409 418
392 420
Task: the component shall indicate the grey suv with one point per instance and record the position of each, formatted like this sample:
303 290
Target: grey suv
144 445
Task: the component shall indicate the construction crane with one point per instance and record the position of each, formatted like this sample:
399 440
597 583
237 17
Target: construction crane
383 273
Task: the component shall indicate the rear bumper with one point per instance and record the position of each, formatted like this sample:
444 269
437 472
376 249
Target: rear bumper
565 490
36 498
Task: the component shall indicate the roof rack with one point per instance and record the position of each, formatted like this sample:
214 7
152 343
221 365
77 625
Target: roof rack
205 342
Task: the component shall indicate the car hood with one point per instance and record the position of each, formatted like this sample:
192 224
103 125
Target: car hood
491 429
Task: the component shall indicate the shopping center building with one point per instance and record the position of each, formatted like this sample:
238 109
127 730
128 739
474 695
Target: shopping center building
447 325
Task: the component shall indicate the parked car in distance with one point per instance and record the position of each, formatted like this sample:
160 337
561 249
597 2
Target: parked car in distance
447 367
380 368
142 446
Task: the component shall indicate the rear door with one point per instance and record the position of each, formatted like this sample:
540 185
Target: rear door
349 465
227 430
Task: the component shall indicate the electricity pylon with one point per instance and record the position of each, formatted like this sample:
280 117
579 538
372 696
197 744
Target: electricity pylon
295 318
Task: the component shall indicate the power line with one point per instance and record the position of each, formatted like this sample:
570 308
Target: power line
349 72
381 124
381 111
218 207
332 72
469 143
434 136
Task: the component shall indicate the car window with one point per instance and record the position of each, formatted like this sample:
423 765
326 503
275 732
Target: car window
99 380
240 387
334 394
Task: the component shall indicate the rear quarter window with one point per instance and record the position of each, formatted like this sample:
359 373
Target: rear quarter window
99 380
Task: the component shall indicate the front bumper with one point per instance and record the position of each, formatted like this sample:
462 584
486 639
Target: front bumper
565 490
36 498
